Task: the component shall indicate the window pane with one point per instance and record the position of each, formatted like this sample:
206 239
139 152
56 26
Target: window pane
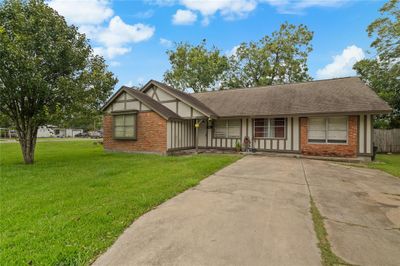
337 123
129 132
316 124
259 122
261 128
234 128
129 120
317 130
337 130
119 120
279 127
220 129
119 132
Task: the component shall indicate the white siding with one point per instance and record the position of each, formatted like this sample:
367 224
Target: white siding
184 110
180 134
289 144
135 105
163 96
365 134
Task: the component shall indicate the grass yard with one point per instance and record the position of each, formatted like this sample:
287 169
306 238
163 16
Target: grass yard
76 199
389 163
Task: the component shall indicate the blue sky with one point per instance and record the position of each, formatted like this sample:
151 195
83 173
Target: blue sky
133 36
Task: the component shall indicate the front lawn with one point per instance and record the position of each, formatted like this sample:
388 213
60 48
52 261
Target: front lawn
76 199
387 162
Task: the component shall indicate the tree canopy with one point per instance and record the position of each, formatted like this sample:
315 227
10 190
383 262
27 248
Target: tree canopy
47 70
382 73
195 67
278 58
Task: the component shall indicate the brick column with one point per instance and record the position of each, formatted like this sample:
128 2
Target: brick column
342 150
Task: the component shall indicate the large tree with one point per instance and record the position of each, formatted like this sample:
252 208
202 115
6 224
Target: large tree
195 67
279 58
47 70
382 73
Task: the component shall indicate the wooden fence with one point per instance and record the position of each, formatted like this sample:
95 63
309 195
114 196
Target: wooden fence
387 140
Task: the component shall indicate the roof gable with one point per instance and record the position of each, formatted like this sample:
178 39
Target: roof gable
143 99
182 96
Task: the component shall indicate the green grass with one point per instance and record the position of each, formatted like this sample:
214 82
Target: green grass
76 199
328 257
389 163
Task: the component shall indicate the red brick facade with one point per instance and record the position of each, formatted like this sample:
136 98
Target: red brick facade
151 134
342 150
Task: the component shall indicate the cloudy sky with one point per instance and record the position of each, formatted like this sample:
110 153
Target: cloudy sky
134 35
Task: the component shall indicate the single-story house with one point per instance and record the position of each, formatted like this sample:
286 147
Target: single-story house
324 118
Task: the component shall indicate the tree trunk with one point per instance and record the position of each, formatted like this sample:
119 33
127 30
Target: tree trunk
27 141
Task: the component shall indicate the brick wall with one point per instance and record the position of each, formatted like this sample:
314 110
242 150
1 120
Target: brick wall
342 150
151 134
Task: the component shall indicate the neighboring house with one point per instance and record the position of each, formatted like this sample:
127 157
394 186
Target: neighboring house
54 131
327 117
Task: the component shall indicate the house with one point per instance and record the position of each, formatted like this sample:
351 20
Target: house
49 131
324 118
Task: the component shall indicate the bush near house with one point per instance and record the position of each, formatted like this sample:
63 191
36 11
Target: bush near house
76 200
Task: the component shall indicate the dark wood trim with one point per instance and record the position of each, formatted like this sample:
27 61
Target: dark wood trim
191 112
127 112
177 106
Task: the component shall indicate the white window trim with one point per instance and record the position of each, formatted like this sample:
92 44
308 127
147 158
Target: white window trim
326 131
227 129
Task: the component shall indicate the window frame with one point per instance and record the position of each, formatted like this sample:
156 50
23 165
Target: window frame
134 113
326 142
269 127
227 129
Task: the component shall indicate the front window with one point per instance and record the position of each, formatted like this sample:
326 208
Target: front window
229 128
327 130
270 128
125 126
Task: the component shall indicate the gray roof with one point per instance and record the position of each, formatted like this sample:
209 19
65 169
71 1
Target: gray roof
334 96
185 97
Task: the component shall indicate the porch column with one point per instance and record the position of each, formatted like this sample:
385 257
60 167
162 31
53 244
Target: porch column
197 125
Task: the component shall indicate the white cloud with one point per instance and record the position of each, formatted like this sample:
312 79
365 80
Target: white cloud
228 8
83 11
145 14
236 9
232 51
119 33
342 64
166 42
184 17
298 6
111 37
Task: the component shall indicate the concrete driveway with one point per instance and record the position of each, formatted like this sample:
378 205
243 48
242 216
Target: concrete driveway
257 212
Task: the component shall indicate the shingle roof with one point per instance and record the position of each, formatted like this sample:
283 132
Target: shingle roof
152 104
185 97
341 95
